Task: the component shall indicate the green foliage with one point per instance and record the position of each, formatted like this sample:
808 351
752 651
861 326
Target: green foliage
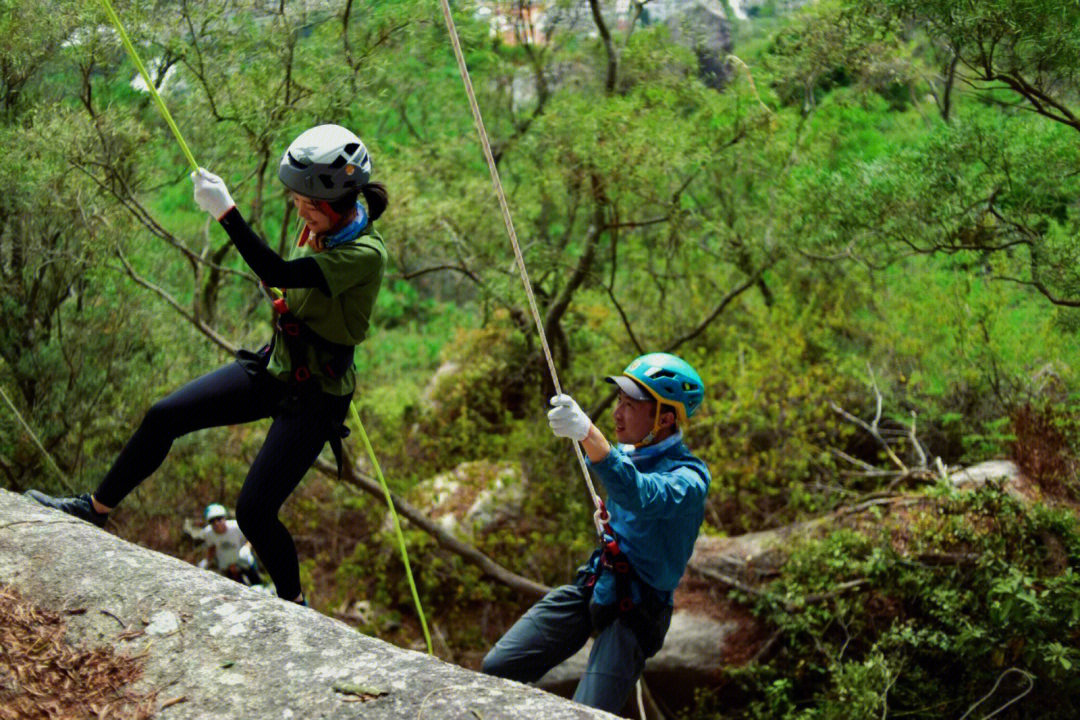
921 611
1033 43
870 215
766 427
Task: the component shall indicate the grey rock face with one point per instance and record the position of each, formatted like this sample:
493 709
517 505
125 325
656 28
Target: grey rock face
704 27
978 475
473 497
231 652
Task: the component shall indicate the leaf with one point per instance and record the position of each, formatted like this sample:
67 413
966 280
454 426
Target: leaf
364 692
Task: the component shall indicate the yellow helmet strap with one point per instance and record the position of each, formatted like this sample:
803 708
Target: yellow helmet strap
651 437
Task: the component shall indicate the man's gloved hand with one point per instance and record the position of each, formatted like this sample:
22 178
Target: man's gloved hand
211 194
567 419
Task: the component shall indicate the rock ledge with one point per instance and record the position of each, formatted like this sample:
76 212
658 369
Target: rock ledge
230 652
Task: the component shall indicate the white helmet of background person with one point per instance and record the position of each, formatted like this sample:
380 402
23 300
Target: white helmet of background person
214 511
326 162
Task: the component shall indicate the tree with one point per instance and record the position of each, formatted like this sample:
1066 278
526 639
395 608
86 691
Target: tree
66 351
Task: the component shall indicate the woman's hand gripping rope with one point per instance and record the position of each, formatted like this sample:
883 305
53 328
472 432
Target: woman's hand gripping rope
211 194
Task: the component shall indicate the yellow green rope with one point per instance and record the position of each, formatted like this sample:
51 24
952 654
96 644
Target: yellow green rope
26 426
352 406
149 84
397 524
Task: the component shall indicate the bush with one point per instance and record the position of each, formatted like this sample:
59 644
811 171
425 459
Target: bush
959 595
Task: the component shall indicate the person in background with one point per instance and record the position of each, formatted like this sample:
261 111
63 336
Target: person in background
656 503
227 548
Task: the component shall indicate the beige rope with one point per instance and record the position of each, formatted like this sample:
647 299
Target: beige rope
600 517
482 132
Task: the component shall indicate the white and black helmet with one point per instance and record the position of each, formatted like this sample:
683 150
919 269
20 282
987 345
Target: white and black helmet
325 163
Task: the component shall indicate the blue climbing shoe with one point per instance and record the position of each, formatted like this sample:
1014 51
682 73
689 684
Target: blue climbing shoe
80 506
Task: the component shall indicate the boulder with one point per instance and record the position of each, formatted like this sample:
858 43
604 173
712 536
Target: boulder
216 650
429 396
704 27
473 497
976 476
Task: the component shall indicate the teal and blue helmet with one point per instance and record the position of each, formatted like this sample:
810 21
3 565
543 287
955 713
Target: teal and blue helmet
666 378
214 511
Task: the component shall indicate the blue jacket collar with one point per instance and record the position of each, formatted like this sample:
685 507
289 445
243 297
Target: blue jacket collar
649 451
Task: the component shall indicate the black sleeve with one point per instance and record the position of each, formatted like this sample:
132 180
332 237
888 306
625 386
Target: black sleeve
267 264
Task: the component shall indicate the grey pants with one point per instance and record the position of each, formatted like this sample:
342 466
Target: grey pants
558 626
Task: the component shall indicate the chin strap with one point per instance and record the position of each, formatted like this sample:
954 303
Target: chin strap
325 208
345 232
648 439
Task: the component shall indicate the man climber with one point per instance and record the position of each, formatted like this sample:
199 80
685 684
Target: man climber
656 503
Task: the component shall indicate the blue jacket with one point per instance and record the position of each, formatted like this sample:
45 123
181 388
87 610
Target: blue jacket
656 499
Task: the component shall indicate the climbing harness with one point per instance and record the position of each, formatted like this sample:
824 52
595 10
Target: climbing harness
610 558
352 405
298 337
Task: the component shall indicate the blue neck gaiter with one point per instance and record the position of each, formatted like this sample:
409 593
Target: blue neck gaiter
350 232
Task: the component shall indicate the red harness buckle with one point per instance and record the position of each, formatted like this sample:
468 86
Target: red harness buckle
301 374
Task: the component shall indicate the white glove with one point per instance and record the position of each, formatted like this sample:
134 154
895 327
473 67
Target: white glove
211 194
567 419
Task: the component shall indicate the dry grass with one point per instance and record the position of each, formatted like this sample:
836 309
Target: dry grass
1044 451
43 677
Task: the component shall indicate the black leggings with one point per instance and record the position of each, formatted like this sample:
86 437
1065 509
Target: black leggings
229 396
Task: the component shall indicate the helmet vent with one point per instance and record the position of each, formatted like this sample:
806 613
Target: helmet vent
339 161
327 181
351 148
296 163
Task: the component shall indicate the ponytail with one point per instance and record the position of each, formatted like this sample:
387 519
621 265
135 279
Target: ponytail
376 198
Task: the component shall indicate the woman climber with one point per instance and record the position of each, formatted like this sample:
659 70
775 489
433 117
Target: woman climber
304 379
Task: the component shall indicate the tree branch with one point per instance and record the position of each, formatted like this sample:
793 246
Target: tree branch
609 47
584 265
140 213
1064 302
721 306
199 324
467 552
437 268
